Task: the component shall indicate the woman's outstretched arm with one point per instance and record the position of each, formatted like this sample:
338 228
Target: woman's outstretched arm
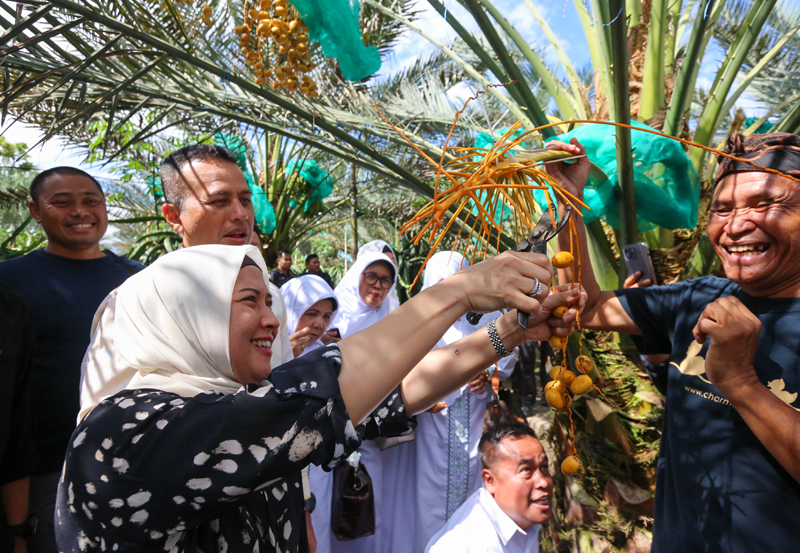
444 370
377 359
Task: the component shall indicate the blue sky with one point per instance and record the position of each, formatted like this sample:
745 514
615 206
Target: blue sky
560 14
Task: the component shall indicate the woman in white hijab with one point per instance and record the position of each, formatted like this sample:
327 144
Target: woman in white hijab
310 306
441 469
191 454
103 373
362 295
381 246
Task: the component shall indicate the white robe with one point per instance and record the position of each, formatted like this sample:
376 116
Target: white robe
433 475
300 294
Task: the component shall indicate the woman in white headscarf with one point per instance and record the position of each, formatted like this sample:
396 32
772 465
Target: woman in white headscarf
441 468
103 373
382 246
310 307
362 295
198 451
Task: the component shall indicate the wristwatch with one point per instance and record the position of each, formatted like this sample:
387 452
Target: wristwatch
25 529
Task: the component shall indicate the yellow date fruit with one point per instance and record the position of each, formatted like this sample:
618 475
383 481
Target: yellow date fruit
555 385
562 260
570 465
581 385
566 377
559 311
557 342
555 399
584 363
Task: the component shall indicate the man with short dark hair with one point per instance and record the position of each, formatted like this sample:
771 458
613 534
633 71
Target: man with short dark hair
283 273
505 515
64 283
206 196
313 268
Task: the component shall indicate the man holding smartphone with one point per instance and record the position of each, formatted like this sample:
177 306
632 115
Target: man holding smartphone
730 448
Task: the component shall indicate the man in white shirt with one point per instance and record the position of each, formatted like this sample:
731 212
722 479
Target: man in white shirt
505 515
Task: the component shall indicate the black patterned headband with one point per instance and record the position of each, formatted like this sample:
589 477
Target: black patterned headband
779 151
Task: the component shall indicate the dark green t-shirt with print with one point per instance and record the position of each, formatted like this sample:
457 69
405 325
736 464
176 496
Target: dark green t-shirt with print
718 488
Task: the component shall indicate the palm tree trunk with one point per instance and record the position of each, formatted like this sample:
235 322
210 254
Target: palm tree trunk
354 207
622 108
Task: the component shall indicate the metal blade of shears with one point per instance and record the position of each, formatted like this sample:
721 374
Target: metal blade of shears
537 243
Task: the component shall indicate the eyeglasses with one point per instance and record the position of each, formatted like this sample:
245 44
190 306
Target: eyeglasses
372 278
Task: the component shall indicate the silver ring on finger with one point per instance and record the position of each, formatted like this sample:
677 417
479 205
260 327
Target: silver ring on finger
537 288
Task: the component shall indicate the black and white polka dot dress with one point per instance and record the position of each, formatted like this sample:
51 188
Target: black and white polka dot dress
148 470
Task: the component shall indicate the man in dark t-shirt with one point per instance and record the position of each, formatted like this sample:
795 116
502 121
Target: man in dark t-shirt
63 283
283 273
729 465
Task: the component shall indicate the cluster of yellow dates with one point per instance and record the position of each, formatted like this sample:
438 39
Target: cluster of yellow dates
565 385
275 45
560 391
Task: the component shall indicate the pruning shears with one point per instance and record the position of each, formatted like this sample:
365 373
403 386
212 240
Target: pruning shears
536 243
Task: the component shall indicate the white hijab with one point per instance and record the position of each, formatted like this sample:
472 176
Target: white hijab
440 266
116 358
353 314
379 246
300 294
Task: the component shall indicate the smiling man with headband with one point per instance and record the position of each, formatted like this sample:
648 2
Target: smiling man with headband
730 449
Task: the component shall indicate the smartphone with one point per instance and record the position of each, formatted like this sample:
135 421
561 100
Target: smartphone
637 257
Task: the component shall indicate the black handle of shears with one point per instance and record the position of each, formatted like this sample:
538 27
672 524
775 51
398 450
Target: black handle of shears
473 318
522 318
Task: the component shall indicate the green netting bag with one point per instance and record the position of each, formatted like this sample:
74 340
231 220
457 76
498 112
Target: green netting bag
265 214
334 23
667 186
319 181
154 186
764 128
486 141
